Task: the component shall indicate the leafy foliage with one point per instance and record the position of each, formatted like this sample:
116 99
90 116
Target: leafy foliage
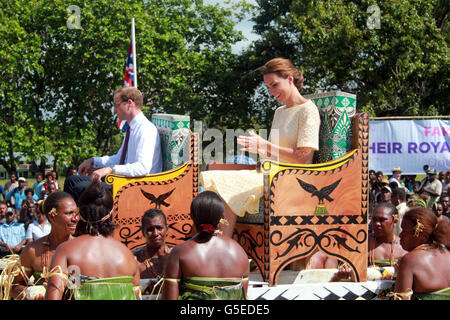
400 68
60 67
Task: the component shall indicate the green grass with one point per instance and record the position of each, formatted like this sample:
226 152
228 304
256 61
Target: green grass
31 181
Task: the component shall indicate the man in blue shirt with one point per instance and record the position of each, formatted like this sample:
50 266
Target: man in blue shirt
12 235
18 194
2 193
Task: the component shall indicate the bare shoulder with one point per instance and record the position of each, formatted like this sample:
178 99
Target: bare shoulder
30 248
30 252
114 243
182 248
233 245
67 246
416 258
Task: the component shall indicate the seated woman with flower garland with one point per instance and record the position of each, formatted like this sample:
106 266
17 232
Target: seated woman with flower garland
384 248
424 272
208 266
94 266
62 214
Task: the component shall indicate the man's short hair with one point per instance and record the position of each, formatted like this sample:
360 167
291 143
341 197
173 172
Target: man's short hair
126 93
153 213
400 193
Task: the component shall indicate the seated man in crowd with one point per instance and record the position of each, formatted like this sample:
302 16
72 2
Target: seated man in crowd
445 200
140 153
12 235
3 207
399 201
17 195
433 187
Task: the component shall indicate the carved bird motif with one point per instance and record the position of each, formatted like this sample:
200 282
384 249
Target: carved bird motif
321 194
158 201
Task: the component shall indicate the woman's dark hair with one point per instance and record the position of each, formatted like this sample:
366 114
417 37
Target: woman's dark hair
153 213
207 209
390 206
53 200
95 204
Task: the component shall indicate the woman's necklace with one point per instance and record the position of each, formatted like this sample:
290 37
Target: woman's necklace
45 256
150 265
372 253
426 246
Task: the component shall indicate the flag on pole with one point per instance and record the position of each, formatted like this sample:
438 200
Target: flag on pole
130 76
128 80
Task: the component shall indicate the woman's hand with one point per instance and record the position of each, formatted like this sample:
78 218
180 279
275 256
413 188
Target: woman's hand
253 143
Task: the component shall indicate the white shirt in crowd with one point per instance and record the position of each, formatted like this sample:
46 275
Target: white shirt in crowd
36 231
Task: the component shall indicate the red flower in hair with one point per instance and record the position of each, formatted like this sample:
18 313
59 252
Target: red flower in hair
207 227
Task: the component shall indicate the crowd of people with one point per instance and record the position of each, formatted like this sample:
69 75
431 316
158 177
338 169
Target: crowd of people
210 261
66 264
21 217
433 190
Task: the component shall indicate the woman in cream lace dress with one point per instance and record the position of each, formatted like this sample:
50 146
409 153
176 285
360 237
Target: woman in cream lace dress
294 137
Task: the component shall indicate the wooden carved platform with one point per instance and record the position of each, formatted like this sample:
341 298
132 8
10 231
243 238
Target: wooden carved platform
313 207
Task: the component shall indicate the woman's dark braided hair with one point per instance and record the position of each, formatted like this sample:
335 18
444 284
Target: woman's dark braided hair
95 204
207 209
52 201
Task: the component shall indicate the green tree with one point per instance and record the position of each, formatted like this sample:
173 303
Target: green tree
62 60
19 63
399 67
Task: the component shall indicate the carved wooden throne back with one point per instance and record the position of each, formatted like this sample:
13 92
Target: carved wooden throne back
171 191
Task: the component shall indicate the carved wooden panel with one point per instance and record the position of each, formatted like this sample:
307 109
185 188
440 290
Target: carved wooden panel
313 207
171 191
320 206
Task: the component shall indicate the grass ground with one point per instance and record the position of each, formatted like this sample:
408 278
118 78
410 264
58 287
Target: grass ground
31 181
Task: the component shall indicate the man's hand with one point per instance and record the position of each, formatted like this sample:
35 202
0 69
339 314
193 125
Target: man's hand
98 174
86 166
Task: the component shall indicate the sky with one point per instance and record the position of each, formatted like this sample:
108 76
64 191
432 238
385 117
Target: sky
246 26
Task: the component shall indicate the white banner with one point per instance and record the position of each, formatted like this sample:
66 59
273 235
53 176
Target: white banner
410 144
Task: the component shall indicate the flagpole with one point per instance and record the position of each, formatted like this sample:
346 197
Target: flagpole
134 53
